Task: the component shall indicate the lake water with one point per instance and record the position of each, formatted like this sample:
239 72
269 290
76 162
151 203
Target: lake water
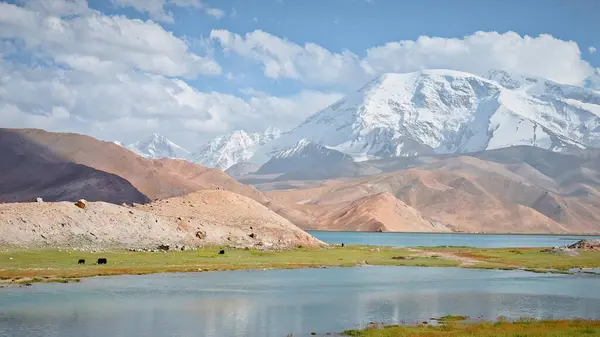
449 239
279 302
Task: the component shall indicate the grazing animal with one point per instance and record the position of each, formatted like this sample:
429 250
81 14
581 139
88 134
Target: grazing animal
81 261
102 260
221 252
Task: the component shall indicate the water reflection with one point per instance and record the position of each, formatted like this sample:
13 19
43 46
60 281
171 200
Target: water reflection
274 303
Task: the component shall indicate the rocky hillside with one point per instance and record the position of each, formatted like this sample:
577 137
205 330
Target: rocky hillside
156 179
202 218
29 170
519 189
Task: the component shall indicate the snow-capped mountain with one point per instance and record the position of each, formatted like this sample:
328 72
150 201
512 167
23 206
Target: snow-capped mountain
157 146
222 152
445 111
304 154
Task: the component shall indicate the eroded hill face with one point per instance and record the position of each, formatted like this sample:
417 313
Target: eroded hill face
156 179
514 190
59 166
200 218
29 170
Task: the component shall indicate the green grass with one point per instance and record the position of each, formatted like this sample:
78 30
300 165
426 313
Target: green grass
52 265
452 318
531 258
30 265
524 328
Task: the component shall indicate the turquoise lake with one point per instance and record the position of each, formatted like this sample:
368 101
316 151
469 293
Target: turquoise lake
450 239
280 302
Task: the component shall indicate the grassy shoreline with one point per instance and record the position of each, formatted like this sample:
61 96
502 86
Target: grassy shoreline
53 265
501 328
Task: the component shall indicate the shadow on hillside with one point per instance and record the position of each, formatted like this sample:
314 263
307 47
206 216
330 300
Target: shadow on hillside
29 170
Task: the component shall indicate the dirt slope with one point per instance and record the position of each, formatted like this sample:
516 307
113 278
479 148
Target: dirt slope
464 193
29 171
200 218
380 213
157 179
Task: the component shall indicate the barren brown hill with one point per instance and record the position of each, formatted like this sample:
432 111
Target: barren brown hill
197 219
29 171
464 193
157 179
380 213
235 218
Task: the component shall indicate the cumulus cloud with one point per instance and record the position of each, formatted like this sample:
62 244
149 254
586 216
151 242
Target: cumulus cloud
129 106
120 79
592 49
284 59
101 44
543 56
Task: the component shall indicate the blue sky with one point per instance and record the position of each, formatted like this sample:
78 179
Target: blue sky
191 69
357 25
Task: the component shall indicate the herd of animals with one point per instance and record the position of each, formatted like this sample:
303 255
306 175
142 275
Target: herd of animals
103 260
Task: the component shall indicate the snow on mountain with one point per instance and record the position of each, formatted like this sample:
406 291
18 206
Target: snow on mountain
446 111
157 146
303 155
222 152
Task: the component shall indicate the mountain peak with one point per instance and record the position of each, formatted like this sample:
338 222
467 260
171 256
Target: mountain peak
157 146
448 111
224 151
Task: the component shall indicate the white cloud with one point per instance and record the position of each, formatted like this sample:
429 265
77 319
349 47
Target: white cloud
99 43
285 59
129 106
156 9
543 56
120 79
592 49
215 12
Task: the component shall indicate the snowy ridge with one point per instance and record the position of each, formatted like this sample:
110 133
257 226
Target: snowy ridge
304 155
446 111
157 146
299 149
222 152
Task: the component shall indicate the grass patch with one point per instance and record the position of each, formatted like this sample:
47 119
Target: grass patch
522 328
452 318
532 258
52 265
62 264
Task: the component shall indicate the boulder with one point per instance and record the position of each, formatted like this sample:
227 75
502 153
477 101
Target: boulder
81 203
564 251
586 245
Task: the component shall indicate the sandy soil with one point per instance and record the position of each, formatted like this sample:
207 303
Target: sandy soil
202 218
